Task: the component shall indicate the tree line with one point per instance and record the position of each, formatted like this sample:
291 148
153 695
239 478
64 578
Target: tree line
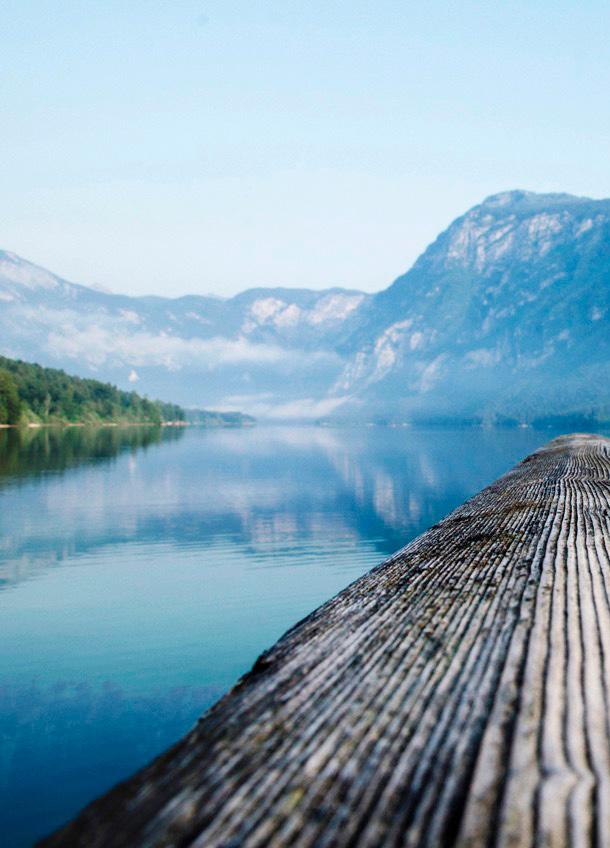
30 393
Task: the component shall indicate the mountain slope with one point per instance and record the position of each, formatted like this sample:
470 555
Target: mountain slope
264 348
504 315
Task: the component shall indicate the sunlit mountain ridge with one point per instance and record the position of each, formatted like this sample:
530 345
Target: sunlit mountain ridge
504 318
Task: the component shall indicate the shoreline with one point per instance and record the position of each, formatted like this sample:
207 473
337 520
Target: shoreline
34 425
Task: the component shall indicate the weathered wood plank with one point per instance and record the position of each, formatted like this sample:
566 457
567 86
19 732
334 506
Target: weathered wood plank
458 694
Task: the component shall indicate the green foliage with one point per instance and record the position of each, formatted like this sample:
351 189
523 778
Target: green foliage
208 418
47 396
10 402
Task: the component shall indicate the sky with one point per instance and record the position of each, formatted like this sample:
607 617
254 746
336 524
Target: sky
208 147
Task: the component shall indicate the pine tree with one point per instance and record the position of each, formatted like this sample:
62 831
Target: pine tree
10 403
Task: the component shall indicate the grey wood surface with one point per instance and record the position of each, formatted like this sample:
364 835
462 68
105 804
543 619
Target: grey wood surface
457 695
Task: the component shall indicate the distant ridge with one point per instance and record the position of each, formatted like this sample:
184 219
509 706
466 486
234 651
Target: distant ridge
521 198
262 350
504 318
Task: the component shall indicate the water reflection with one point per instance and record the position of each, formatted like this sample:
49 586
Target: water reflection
144 570
265 490
30 451
26 543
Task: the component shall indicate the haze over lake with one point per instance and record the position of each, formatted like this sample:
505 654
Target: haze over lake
142 571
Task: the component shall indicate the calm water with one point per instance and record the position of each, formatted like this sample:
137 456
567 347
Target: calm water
141 572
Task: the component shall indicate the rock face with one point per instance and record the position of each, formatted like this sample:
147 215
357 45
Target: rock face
455 696
506 314
504 317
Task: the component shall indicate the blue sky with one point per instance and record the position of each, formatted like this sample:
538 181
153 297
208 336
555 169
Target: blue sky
174 147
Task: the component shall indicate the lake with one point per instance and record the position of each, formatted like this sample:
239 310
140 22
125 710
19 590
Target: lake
142 571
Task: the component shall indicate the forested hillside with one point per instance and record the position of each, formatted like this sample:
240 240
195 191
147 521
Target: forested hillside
30 393
210 418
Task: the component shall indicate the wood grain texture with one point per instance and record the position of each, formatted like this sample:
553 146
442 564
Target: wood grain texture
457 695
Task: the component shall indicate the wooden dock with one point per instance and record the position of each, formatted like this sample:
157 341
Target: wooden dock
457 695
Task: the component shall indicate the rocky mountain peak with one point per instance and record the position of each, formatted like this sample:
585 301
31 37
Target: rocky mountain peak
513 226
16 272
522 201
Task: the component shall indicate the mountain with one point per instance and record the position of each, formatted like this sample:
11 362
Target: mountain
503 318
265 349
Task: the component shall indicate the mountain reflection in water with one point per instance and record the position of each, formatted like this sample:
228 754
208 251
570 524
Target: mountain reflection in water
142 571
